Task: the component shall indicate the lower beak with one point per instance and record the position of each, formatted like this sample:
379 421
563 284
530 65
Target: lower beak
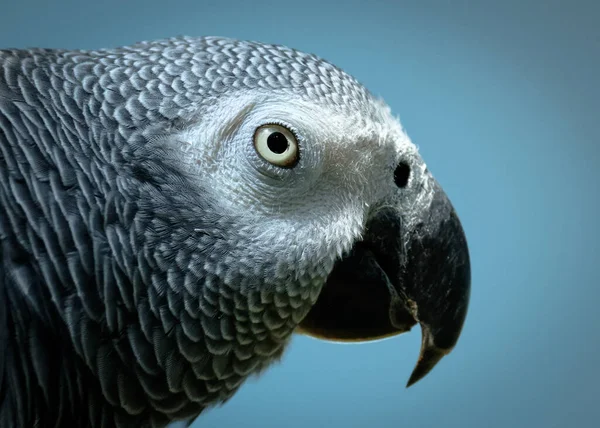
406 270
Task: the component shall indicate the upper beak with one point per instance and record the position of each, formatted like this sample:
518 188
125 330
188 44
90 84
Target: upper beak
409 268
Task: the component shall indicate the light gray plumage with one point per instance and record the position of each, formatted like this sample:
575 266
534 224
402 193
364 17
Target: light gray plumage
150 260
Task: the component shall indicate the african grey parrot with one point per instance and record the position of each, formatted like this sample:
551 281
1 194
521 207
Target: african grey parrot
171 212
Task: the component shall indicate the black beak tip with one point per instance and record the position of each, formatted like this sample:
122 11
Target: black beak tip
429 356
426 363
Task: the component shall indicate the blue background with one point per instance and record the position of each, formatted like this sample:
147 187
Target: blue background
503 101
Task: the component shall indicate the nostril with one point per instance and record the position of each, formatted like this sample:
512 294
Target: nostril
402 174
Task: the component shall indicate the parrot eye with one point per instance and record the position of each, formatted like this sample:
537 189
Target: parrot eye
276 144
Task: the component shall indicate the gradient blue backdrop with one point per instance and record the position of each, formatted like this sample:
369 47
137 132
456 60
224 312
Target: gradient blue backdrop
503 100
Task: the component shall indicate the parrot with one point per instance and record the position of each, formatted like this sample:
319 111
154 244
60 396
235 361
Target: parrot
174 211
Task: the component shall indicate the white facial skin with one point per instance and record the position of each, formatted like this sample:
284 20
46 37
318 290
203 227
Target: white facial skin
315 210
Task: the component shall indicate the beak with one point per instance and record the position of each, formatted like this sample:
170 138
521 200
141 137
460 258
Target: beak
411 267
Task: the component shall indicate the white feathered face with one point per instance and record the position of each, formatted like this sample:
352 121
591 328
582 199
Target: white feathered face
336 204
303 177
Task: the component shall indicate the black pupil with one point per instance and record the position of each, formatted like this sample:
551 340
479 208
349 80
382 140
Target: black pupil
277 143
401 174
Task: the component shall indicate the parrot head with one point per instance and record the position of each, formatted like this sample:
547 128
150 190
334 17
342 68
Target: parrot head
326 199
178 209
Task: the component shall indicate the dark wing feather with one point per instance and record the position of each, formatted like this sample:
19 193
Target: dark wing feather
3 337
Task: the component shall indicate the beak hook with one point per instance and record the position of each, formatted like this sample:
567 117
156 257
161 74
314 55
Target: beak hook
429 356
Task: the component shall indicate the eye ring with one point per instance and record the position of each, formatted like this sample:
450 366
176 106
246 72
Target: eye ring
277 145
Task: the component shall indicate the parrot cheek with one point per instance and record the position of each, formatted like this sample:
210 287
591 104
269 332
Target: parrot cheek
403 272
